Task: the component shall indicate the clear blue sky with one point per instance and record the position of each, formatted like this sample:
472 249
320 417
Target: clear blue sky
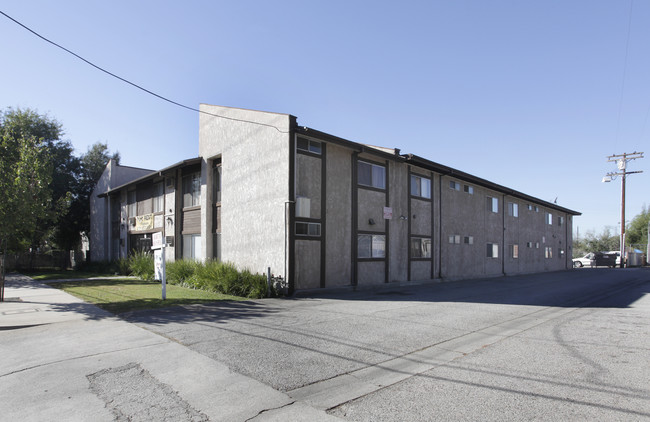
533 95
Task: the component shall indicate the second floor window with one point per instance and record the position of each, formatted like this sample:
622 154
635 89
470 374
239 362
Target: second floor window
192 190
372 175
420 186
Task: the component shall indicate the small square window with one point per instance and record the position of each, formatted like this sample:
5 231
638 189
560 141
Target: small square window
454 185
468 189
454 238
309 145
307 229
468 240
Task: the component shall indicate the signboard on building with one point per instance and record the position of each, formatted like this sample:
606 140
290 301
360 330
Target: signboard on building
144 222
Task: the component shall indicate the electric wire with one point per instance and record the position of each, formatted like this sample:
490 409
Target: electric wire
134 84
627 48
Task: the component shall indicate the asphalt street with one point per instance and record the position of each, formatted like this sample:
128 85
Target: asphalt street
562 346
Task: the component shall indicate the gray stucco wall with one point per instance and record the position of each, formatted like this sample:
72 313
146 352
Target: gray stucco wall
339 217
255 185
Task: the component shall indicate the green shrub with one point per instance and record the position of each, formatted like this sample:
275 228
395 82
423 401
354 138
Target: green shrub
181 271
122 266
141 265
215 276
252 285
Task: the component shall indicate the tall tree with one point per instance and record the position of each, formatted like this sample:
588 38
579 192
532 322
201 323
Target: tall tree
25 176
76 219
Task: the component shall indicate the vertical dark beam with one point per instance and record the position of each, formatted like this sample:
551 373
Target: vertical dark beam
433 230
440 226
323 215
291 275
178 215
503 247
408 222
387 226
355 218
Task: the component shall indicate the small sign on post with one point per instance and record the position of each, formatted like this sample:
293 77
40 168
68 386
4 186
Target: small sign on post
159 262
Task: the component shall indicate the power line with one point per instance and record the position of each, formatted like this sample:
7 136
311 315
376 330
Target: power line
131 83
627 48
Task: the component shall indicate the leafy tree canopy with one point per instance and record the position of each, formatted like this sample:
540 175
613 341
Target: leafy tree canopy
637 230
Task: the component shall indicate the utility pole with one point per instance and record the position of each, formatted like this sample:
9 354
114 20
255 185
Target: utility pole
621 162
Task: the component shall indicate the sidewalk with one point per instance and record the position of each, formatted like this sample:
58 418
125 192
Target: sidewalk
63 359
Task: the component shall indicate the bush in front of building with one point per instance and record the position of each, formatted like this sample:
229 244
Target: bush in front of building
217 276
141 265
181 272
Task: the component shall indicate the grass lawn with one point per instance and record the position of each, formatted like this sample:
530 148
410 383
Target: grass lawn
63 274
124 295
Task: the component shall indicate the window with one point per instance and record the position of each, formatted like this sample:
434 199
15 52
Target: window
420 186
216 183
307 229
536 208
454 185
529 244
133 203
514 251
192 246
492 204
372 175
420 247
468 189
468 240
560 221
530 207
371 246
513 209
549 218
158 198
548 252
192 190
492 250
536 245
309 146
454 238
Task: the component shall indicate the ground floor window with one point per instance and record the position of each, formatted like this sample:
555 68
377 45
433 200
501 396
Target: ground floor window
514 251
192 246
420 247
371 246
492 250
140 243
548 252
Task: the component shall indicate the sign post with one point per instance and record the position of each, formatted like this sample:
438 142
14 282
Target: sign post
159 262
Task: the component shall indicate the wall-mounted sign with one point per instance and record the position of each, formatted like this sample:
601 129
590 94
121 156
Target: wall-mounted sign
144 222
388 213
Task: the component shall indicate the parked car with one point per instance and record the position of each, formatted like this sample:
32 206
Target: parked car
588 260
596 259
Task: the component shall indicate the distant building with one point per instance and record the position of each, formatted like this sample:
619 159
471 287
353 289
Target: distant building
323 211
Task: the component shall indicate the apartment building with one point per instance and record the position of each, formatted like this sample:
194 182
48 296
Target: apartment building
323 211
